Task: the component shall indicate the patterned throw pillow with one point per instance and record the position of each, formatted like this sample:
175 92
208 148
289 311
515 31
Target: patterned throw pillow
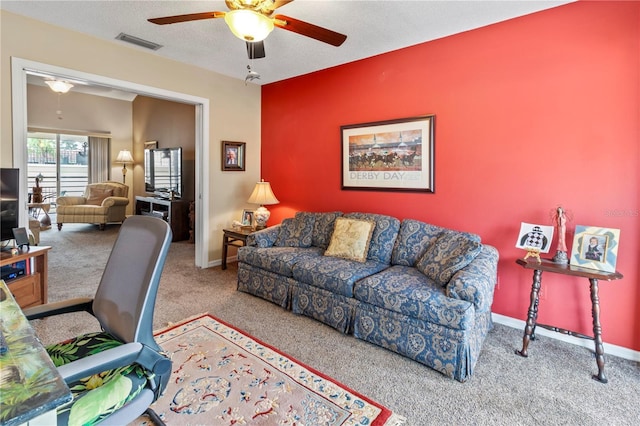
350 239
295 232
97 195
449 253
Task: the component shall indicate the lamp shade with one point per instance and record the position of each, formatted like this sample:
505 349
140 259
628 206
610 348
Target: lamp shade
124 157
248 25
59 86
262 194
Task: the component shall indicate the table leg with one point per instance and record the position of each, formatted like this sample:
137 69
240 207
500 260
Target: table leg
597 331
532 314
225 244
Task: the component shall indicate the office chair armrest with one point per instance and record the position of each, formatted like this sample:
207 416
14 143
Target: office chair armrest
120 356
58 308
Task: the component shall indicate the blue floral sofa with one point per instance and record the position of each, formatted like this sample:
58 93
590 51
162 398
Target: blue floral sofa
417 289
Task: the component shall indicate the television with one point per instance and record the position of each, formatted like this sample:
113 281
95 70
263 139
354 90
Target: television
163 172
9 202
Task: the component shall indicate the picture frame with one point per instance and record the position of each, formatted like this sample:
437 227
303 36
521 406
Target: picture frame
595 248
233 156
391 155
150 145
535 237
247 218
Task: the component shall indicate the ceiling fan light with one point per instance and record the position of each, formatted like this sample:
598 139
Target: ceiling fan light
59 86
249 25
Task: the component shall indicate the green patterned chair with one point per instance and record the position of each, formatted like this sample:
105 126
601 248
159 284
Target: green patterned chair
116 373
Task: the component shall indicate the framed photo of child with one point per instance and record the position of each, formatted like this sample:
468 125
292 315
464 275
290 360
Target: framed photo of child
595 248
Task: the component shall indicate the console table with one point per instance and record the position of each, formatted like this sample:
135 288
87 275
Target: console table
29 289
31 386
576 271
236 237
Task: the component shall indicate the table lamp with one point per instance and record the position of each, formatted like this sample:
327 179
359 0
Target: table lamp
263 195
125 158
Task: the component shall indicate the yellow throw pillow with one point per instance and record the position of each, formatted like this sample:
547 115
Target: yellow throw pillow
350 239
97 196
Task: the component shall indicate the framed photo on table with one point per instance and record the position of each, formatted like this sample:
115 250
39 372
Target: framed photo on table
595 248
247 218
392 155
233 156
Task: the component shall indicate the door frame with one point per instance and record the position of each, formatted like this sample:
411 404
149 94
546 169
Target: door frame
19 68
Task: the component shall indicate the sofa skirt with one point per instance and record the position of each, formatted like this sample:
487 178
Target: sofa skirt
452 352
331 309
267 285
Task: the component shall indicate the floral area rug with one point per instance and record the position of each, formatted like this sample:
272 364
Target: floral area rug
221 376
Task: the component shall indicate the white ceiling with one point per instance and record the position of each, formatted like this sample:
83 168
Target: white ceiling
372 28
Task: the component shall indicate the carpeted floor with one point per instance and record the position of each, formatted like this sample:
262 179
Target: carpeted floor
553 386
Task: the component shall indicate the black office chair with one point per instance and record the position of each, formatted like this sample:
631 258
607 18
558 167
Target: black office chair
115 374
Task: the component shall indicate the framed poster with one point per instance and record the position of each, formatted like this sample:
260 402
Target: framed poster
392 155
595 248
233 156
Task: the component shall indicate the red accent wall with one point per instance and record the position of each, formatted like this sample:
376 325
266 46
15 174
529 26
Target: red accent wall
531 113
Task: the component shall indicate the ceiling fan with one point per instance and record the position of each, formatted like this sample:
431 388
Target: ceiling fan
253 20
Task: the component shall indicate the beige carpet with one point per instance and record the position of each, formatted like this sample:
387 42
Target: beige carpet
551 387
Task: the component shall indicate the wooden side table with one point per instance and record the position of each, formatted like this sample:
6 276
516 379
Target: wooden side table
236 237
576 271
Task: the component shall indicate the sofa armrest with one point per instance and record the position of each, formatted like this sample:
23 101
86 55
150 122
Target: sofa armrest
263 238
115 201
476 282
71 200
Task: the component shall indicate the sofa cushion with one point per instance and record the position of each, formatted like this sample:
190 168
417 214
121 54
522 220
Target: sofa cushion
409 292
413 240
384 235
279 260
97 195
334 274
323 228
449 253
296 232
350 239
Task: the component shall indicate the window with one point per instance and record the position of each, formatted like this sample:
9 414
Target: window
60 162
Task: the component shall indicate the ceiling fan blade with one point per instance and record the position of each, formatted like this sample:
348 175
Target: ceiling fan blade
280 3
306 29
255 49
185 18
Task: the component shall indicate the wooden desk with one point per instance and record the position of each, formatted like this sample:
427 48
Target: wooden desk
233 237
31 386
576 271
30 289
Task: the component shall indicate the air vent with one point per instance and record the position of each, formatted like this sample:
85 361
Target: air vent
138 41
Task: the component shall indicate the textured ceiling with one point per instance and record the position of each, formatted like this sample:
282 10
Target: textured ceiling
372 27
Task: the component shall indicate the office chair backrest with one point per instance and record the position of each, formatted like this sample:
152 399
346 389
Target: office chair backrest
126 296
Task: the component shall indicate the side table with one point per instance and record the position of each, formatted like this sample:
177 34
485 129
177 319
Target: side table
576 271
236 237
37 209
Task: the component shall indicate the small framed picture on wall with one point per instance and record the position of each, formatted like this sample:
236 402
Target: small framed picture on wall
233 156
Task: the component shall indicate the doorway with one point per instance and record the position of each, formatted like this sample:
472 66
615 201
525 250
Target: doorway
20 68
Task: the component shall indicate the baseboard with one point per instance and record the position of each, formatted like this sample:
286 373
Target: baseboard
609 349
